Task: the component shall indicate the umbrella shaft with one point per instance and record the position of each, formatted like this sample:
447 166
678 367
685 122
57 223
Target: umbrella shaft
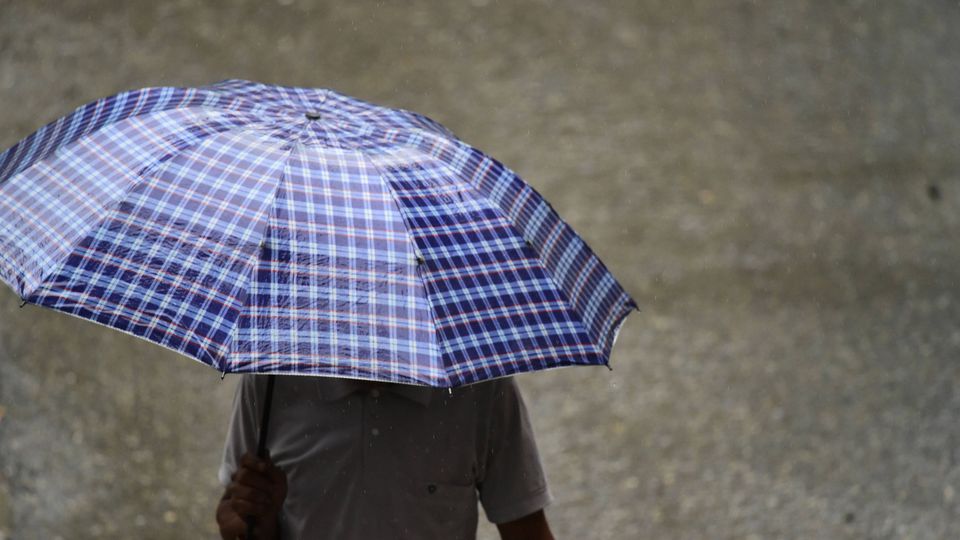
265 418
262 442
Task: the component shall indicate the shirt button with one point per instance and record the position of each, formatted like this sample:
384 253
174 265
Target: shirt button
375 393
374 432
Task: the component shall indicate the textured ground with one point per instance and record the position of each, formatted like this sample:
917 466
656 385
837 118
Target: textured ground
775 182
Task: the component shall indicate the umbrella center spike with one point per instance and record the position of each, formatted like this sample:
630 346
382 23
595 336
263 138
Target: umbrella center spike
312 115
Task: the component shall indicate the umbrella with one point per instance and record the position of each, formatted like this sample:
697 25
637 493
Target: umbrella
270 229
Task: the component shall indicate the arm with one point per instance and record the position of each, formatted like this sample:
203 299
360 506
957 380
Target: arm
512 484
529 527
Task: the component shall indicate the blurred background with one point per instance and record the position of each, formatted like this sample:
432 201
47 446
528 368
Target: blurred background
776 183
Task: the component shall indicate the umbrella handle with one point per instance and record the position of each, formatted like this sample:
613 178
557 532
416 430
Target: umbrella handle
262 442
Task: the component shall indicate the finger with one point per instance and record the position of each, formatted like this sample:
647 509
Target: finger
246 460
249 460
254 479
249 508
250 494
258 464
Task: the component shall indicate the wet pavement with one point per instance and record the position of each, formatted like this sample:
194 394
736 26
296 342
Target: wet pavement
775 182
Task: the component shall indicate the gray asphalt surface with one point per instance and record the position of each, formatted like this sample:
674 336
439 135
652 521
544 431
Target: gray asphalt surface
775 182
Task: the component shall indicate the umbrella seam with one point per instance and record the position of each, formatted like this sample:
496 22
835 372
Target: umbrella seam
58 262
45 135
139 177
426 294
228 345
261 89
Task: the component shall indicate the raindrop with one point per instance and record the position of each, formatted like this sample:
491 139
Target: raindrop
933 191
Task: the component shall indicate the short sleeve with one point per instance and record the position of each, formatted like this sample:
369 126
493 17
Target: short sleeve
242 432
512 483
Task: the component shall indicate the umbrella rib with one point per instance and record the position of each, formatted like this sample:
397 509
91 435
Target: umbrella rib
546 271
571 307
629 302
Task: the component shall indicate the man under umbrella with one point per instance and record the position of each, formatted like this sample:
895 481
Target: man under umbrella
360 460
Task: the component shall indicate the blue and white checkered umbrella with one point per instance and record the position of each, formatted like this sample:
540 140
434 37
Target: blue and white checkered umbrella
268 229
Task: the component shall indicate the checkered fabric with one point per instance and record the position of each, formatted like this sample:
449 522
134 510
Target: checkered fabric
270 229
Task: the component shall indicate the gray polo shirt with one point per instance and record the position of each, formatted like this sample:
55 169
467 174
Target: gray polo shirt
392 461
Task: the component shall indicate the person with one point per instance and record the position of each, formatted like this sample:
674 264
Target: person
351 459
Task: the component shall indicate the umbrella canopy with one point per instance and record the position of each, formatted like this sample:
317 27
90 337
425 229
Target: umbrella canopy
269 229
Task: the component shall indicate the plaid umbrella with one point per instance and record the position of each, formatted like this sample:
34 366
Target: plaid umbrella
269 229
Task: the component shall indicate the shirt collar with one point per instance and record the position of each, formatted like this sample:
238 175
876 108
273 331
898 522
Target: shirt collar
335 388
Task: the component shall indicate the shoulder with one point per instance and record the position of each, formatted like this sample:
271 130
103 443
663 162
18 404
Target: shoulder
504 394
500 404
